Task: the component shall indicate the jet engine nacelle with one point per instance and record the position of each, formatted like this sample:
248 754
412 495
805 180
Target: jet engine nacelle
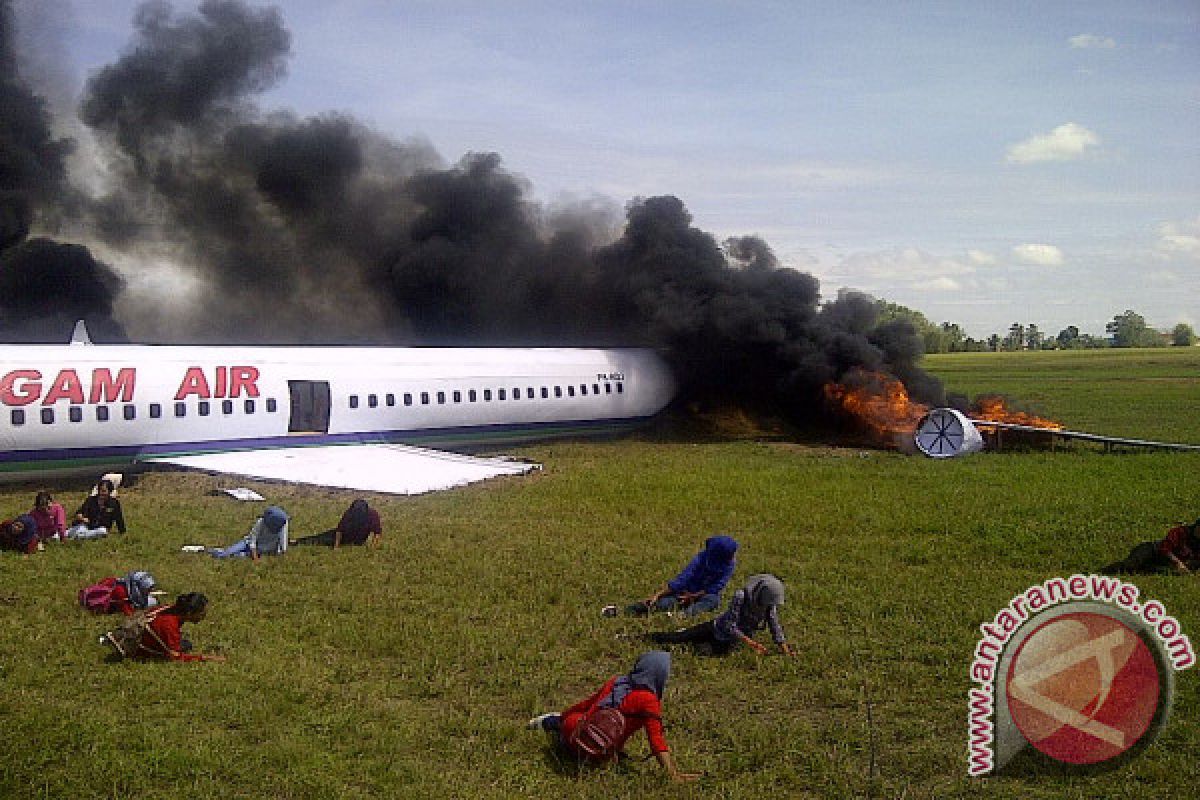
944 433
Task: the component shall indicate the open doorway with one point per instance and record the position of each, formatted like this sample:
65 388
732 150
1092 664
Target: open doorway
310 407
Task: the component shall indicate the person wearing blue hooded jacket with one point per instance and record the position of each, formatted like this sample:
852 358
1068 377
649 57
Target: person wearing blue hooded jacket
268 536
697 588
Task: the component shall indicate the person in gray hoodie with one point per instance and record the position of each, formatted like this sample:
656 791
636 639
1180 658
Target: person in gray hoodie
753 607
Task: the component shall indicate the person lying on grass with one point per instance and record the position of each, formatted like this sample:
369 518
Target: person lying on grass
267 537
99 514
754 606
595 729
697 588
19 534
1179 551
163 638
359 524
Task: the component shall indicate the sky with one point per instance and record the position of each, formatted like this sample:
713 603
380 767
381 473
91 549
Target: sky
983 163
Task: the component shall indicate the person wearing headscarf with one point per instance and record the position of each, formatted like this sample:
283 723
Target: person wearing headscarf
1178 551
753 607
19 534
697 588
360 524
267 537
133 592
638 696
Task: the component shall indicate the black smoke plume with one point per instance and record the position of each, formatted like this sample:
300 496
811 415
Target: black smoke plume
290 229
44 286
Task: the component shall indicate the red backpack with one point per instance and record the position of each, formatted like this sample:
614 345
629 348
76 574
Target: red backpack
98 598
598 735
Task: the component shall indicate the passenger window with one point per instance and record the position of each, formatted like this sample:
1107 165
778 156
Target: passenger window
373 400
102 413
487 394
608 388
441 398
156 410
180 409
457 396
407 399
391 399
583 389
472 396
595 388
424 398
516 393
620 388
501 394
75 414
47 416
249 406
18 416
545 393
354 401
558 391
571 391
129 412
226 406
529 393
202 408
271 405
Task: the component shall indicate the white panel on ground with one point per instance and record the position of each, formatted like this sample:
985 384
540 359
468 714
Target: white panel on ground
388 468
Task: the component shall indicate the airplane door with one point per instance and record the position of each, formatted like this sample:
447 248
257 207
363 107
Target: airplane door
310 407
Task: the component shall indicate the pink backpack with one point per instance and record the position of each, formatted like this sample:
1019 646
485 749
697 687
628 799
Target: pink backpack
98 598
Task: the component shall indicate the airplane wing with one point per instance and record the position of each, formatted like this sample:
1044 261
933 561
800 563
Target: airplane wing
387 468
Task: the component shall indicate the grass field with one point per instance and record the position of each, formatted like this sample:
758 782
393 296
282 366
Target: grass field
409 671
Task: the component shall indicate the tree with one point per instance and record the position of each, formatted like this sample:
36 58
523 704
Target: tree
1130 330
1016 337
1068 337
1183 335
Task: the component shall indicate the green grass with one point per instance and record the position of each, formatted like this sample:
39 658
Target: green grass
409 671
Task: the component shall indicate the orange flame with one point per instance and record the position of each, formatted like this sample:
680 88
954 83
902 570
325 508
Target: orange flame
990 408
879 402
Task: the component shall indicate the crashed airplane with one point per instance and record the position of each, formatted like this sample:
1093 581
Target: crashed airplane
359 417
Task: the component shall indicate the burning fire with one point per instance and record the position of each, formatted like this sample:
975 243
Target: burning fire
882 405
990 408
880 402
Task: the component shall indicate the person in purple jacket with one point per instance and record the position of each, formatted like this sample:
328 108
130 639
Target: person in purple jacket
697 588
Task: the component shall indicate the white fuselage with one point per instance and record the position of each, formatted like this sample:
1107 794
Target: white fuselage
71 407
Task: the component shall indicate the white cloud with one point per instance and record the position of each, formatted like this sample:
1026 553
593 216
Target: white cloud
1064 143
1180 238
981 258
1090 41
907 266
939 284
1043 255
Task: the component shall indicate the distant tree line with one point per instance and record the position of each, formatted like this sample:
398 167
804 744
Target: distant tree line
1127 329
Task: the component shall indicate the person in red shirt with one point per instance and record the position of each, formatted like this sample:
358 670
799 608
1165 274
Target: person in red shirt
1179 550
638 696
19 534
164 638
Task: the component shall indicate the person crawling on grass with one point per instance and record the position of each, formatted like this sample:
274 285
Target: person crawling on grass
360 524
1178 551
754 606
697 588
19 534
163 638
268 536
99 514
595 729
